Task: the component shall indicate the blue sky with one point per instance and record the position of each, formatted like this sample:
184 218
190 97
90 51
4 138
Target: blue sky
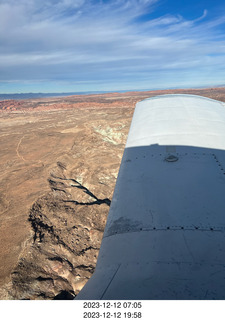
105 45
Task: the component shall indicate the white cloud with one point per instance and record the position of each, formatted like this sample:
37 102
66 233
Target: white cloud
79 39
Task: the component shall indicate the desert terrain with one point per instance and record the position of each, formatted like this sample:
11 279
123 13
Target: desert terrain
58 167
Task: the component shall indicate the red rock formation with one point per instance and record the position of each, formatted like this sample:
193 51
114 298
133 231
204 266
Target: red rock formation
106 100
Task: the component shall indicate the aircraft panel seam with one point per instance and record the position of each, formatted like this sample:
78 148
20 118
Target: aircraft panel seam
171 228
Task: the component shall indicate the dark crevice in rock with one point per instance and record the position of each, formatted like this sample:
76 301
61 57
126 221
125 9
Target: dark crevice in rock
44 279
61 165
42 295
65 295
54 183
98 202
89 268
78 185
39 228
60 190
66 240
61 260
60 241
56 259
86 249
57 186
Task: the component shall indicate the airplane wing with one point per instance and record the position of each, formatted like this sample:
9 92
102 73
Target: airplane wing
165 233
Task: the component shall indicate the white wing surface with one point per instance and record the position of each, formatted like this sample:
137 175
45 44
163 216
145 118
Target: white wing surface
165 233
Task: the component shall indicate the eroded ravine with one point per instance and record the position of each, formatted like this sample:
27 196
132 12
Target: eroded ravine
67 234
66 221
